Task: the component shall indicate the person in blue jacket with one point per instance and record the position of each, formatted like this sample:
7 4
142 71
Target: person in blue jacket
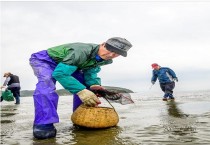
75 66
166 77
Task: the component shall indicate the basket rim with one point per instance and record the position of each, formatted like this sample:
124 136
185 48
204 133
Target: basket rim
102 107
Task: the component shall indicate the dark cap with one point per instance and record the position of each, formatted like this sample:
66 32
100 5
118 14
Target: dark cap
118 45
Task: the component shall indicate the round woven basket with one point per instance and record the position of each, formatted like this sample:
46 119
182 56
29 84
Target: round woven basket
95 117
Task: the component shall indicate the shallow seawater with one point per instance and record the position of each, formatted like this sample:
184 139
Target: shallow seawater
149 121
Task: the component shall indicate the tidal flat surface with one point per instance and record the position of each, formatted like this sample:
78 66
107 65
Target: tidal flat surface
148 121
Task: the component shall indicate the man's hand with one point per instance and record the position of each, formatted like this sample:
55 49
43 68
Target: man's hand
88 98
2 87
153 82
175 79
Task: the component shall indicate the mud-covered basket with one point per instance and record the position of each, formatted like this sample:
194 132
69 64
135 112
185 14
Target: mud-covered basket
95 117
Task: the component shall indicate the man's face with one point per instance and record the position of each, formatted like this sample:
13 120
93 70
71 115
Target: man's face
156 68
106 54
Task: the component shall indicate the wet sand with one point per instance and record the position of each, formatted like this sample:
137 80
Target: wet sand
149 121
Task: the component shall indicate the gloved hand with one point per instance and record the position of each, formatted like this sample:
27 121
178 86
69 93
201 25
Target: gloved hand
153 82
88 98
3 87
175 79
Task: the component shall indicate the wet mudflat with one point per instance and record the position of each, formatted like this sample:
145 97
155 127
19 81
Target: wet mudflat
149 121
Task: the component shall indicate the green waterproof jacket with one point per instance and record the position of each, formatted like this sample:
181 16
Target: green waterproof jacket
76 56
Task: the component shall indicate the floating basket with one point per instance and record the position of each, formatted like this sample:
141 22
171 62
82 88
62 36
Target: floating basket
95 117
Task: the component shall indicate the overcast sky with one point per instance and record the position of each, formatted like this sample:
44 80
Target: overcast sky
173 34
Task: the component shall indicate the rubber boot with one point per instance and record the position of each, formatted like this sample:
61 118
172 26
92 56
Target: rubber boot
165 97
171 97
17 100
44 131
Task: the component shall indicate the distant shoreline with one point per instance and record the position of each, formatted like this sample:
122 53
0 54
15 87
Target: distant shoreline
63 92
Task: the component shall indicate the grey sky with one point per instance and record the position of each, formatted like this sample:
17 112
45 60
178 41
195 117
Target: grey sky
173 34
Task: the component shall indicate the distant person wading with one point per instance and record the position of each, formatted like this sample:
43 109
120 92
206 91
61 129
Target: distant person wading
13 83
166 77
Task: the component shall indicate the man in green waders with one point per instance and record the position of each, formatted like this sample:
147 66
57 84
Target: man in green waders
75 67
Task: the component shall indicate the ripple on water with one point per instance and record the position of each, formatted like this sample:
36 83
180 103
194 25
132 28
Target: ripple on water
148 121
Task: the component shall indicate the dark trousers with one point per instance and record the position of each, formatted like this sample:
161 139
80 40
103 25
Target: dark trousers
16 93
167 88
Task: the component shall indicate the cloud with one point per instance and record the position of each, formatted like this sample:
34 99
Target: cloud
174 34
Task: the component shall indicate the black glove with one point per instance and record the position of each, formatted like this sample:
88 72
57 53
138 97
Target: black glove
109 95
100 93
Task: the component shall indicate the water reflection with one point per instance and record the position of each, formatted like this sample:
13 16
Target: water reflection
76 135
9 107
177 122
6 121
7 112
51 141
174 111
84 136
198 107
